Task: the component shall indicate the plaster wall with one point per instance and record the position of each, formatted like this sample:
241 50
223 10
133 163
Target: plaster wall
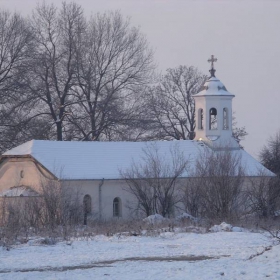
103 193
22 172
218 102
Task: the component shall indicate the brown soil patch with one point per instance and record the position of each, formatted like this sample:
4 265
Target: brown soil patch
189 258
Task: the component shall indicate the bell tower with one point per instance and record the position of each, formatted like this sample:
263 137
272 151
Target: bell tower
214 112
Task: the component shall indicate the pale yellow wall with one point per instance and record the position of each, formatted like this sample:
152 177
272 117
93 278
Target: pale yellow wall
10 173
34 175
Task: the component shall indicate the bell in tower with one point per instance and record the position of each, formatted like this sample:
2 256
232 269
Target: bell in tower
213 124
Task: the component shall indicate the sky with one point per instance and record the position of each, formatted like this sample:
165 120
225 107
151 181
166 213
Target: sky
243 35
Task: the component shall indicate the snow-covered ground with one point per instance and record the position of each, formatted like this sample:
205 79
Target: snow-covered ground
216 255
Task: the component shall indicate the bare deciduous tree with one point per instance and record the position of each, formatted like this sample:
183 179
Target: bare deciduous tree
270 154
15 48
78 79
216 188
114 63
238 133
191 196
54 210
52 66
62 205
263 195
15 45
171 104
267 200
154 181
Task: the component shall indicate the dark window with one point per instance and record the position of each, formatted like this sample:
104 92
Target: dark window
87 204
225 118
200 119
87 207
117 207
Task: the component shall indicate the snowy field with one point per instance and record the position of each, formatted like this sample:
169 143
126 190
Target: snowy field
171 255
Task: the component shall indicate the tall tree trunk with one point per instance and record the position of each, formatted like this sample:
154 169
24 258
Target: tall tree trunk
59 131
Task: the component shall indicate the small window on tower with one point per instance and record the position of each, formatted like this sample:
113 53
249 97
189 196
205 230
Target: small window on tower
200 119
225 119
213 123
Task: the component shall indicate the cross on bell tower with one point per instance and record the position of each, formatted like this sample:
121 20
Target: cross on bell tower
212 70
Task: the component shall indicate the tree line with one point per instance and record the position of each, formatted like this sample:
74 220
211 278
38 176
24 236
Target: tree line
64 76
217 187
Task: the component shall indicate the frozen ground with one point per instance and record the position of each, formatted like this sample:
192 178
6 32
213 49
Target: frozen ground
218 255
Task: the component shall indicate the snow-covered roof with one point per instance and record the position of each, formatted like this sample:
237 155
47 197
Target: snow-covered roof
97 160
214 87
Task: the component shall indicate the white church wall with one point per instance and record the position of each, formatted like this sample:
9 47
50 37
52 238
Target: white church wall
200 104
116 189
103 193
219 103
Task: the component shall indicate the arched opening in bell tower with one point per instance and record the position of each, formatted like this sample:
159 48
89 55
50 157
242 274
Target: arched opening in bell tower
213 123
200 119
225 119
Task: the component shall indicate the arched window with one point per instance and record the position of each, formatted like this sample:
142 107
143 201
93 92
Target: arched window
87 204
225 119
213 124
200 118
117 207
87 207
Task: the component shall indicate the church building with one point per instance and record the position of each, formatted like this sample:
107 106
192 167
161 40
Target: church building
94 168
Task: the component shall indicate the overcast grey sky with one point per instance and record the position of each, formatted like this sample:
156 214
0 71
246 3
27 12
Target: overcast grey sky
243 35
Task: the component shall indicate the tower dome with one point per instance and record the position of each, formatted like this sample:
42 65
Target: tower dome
214 87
